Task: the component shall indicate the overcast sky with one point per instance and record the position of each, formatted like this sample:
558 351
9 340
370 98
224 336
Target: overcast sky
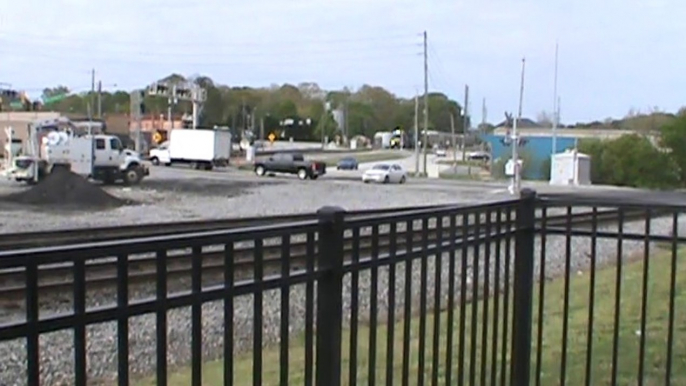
614 55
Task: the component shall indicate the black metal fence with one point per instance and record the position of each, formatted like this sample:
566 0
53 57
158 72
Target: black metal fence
487 294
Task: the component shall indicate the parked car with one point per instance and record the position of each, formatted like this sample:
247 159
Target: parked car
440 152
478 156
347 163
385 173
290 163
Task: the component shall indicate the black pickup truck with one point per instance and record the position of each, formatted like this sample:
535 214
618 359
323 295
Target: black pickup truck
290 163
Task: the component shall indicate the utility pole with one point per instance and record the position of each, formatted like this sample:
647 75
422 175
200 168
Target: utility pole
465 110
99 99
452 128
426 98
262 130
91 101
416 134
136 101
483 116
93 80
516 177
555 100
171 101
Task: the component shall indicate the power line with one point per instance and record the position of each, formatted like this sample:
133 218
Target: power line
353 56
27 37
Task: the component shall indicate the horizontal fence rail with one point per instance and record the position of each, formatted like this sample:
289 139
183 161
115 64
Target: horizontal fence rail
525 291
102 272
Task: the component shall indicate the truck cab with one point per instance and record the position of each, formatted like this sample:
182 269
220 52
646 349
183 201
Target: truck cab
101 157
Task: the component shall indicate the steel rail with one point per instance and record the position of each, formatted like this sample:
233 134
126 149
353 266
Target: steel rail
10 241
102 272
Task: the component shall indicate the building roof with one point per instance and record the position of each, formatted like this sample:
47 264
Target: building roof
521 123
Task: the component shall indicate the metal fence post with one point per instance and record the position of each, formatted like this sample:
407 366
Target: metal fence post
329 296
523 289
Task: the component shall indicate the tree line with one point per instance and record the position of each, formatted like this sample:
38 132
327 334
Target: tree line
655 161
367 110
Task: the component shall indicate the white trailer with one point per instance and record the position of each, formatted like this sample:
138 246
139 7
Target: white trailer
200 148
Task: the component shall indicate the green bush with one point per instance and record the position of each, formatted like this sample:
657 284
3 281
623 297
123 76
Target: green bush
673 139
528 169
630 160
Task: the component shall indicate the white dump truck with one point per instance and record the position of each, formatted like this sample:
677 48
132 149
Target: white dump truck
200 148
100 157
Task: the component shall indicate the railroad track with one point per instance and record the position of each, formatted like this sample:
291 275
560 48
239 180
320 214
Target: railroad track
100 273
14 241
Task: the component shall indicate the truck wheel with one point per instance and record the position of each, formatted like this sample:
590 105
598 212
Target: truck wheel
132 176
155 161
108 178
259 170
302 173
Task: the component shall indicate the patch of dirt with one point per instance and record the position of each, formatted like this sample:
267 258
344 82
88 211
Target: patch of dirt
63 189
202 186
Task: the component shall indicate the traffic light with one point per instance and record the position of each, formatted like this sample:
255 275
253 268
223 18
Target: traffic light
142 102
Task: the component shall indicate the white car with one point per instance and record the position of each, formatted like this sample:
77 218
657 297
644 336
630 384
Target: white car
440 152
385 173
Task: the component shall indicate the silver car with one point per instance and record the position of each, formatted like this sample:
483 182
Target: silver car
385 173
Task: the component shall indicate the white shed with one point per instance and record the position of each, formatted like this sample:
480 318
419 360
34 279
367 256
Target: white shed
570 168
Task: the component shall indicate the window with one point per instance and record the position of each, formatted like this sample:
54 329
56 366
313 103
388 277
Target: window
100 144
381 167
115 144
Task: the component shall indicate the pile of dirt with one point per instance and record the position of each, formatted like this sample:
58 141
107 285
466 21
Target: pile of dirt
62 188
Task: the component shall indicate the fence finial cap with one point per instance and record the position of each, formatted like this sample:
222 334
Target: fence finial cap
331 213
527 193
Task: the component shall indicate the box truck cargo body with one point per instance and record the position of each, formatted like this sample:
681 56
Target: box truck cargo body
202 149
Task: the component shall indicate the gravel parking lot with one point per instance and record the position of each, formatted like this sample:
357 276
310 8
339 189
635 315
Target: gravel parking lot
175 194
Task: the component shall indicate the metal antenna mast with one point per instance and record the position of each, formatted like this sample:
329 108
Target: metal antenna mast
556 118
515 187
426 99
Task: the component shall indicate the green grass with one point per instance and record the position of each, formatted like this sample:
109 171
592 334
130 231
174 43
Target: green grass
449 161
367 157
464 177
656 335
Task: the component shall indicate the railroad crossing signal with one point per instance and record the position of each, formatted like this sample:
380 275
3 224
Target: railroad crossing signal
271 137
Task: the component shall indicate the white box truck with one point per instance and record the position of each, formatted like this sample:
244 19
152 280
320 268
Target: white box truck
200 148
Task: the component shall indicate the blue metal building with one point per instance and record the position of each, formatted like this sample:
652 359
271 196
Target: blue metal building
537 148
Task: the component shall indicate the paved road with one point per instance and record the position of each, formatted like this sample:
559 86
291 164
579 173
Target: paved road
428 185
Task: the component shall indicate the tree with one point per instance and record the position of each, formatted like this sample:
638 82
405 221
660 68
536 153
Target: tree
545 119
631 160
368 109
673 138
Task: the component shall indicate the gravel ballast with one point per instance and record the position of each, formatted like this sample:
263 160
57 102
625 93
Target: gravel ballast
57 351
